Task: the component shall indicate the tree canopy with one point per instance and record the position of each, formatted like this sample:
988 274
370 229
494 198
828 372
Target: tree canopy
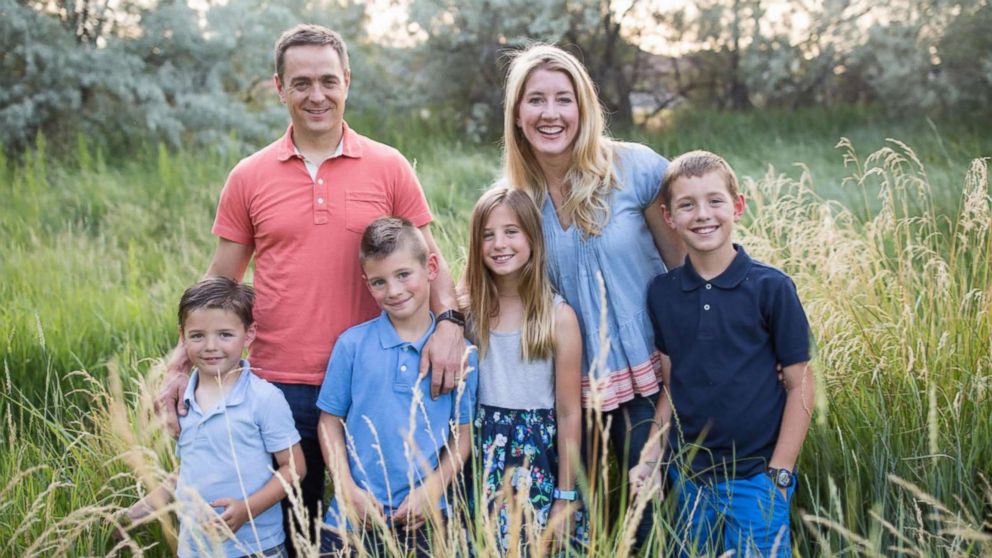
132 71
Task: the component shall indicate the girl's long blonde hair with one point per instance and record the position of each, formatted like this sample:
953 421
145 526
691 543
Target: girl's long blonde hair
591 177
537 331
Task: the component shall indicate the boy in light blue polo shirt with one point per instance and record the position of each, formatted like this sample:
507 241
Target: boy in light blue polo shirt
236 425
392 451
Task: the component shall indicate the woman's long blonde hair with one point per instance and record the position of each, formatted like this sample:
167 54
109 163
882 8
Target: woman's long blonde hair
537 331
591 177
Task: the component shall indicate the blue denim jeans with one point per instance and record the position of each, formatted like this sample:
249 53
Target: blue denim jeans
749 516
302 401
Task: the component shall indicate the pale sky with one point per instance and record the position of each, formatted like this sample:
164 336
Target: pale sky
387 19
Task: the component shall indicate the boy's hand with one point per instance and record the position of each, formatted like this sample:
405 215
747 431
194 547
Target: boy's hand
235 513
412 512
139 511
363 507
645 477
170 399
561 522
443 355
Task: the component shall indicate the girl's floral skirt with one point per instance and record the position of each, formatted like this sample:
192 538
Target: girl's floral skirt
517 453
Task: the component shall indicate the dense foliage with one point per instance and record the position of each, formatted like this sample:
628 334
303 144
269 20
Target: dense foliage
129 72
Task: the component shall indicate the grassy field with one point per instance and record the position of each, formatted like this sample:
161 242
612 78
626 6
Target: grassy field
889 243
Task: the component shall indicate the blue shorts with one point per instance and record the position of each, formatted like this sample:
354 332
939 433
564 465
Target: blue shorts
749 516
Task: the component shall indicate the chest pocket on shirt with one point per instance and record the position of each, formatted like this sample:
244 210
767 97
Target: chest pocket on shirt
363 208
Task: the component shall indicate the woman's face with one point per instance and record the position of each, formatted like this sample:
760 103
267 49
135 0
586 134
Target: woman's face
548 114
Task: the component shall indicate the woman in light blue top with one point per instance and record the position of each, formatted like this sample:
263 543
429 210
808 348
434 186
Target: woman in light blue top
605 235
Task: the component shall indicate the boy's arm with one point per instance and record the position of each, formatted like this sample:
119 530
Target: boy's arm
360 505
791 337
647 473
799 400
155 500
292 467
422 501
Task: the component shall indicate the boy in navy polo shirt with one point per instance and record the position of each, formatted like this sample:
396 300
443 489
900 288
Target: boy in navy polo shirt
392 450
237 426
724 323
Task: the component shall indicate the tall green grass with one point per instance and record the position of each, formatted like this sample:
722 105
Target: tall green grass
888 245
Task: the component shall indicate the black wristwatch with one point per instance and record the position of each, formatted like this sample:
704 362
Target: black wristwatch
453 316
783 478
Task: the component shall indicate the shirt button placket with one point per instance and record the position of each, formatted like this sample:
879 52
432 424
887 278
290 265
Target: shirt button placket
706 325
320 212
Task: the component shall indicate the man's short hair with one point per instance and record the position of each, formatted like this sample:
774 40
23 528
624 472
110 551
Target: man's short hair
693 165
218 292
307 34
386 235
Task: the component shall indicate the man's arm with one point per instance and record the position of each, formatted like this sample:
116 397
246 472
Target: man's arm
670 245
230 260
799 400
422 501
360 505
292 468
444 352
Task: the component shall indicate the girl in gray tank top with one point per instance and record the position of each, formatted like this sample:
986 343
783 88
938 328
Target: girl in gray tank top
529 421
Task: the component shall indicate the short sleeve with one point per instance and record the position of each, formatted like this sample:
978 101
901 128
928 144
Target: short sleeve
409 200
335 390
647 169
233 219
788 324
464 403
275 420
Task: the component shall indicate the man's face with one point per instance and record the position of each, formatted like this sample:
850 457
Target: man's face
314 86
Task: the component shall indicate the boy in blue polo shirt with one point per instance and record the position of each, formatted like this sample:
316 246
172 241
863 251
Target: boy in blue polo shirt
724 323
392 451
237 425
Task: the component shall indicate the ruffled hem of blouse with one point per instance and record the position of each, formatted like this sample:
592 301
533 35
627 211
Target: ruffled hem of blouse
610 390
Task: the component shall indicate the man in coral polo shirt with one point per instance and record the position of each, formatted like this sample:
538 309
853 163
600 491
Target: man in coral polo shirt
299 207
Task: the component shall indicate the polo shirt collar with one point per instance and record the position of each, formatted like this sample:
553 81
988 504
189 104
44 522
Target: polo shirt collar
350 146
730 278
390 339
234 397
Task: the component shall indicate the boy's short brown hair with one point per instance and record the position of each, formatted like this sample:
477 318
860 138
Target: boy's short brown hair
218 292
693 165
386 235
